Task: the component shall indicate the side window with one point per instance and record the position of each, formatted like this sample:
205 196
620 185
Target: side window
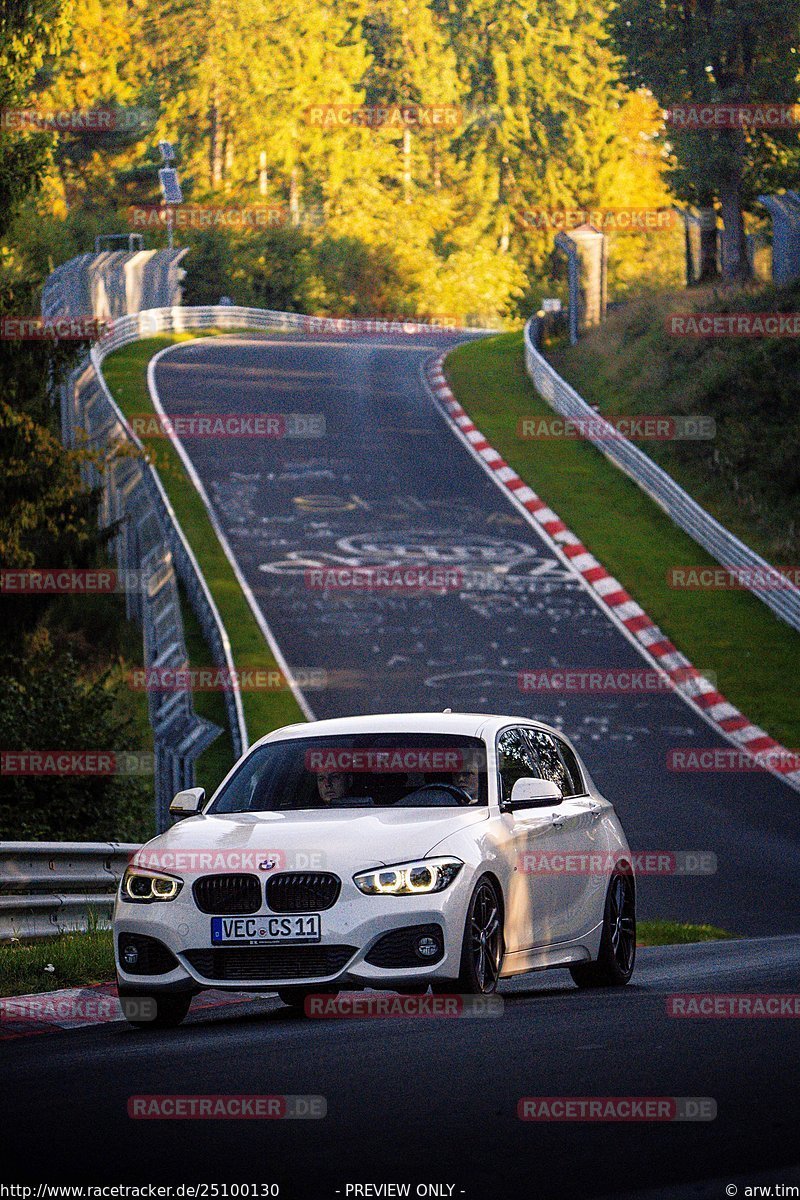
514 760
573 769
549 762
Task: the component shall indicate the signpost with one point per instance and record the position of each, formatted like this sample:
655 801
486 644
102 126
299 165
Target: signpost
170 186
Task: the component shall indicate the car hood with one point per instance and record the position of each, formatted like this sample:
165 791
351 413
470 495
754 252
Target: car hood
342 841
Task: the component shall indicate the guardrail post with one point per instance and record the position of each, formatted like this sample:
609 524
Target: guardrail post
587 256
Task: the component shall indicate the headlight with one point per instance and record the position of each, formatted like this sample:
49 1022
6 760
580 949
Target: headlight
409 879
143 886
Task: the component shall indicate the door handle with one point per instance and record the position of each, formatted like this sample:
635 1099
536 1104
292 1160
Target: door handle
558 821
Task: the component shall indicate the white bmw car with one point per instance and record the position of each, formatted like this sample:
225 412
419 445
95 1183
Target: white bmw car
392 852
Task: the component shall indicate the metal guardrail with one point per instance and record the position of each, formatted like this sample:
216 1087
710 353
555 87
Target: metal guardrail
150 540
661 487
152 553
47 888
113 283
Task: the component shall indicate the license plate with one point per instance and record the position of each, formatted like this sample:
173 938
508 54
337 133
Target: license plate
257 931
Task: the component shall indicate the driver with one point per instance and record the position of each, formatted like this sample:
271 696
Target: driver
333 786
469 780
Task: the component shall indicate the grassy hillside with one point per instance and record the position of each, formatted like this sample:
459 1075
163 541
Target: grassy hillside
749 475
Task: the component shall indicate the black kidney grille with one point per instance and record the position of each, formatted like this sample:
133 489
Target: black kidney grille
225 894
266 963
303 891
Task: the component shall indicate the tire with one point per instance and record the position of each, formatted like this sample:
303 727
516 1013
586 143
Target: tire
169 1009
482 956
616 957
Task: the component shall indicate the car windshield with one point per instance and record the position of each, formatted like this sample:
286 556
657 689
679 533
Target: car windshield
390 770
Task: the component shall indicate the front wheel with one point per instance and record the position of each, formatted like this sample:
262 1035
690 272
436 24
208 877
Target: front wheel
482 948
617 955
155 1011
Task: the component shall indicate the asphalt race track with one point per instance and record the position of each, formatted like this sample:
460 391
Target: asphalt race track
390 483
432 1100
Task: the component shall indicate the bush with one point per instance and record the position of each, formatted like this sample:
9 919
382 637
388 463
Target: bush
48 705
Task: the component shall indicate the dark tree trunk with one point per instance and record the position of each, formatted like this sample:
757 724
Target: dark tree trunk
735 259
215 148
294 196
709 237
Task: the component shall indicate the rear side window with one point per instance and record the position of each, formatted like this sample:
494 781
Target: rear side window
515 760
549 763
573 769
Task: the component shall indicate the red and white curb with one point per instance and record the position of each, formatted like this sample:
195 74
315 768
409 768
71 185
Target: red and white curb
77 1008
610 595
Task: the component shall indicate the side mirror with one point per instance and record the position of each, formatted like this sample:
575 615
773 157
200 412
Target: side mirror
533 793
188 803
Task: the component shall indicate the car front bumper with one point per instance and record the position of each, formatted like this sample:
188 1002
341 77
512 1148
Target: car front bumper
355 921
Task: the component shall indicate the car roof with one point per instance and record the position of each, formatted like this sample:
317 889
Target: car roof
465 724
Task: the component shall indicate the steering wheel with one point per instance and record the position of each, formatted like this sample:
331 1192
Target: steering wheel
459 793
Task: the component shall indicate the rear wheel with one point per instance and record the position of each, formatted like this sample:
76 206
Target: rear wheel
482 949
617 955
148 1010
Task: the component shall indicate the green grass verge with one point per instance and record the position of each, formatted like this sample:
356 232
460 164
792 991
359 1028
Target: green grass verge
215 762
731 634
81 959
126 374
69 960
673 933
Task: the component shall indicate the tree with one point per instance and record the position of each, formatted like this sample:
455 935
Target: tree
548 111
694 52
412 65
48 704
29 32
